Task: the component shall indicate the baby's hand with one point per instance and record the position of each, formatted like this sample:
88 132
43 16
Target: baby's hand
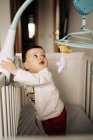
8 65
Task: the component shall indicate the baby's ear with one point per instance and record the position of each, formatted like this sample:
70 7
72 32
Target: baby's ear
26 65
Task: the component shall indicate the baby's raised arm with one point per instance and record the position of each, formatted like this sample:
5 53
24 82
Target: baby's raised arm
9 65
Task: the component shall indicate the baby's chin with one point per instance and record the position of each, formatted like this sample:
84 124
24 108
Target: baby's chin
42 67
38 70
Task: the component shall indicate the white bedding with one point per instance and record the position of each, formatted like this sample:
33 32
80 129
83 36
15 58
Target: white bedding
77 122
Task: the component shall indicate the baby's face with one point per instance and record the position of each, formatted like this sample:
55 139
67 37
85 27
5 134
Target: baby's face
35 60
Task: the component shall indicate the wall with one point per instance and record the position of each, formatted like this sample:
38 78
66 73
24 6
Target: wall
46 25
4 19
46 29
75 21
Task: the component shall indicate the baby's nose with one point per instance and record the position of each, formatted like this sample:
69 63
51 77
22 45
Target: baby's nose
40 58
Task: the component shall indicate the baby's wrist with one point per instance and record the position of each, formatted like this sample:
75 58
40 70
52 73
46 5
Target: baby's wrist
14 72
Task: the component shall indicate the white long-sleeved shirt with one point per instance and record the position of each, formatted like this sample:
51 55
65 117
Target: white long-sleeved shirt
47 102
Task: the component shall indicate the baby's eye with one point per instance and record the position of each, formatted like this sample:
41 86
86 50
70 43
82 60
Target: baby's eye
35 55
44 55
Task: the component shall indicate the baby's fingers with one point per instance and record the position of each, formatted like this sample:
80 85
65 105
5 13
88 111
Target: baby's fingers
5 64
9 59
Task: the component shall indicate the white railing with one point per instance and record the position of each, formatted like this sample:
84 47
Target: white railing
10 106
88 106
12 100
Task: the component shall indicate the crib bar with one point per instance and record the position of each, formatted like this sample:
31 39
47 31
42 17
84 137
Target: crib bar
13 128
91 105
88 89
10 95
90 98
10 106
4 112
14 123
1 119
8 111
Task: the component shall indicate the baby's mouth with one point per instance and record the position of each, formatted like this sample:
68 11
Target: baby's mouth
42 62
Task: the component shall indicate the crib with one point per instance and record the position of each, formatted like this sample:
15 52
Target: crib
75 85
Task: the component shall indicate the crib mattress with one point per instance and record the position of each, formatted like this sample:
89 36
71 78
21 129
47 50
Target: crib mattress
77 122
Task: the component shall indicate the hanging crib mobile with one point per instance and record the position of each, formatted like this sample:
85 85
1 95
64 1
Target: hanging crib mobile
76 39
8 48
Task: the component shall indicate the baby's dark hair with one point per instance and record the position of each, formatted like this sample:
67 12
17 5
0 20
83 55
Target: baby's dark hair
24 52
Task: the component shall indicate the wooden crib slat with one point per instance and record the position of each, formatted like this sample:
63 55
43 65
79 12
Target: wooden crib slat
88 89
1 119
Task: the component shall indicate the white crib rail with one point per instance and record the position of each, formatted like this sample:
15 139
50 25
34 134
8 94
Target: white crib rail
10 106
2 81
89 88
